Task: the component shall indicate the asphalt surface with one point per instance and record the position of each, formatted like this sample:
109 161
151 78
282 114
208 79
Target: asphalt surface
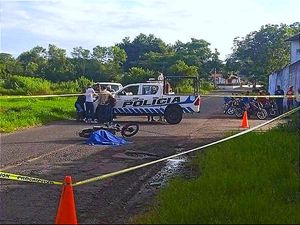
55 150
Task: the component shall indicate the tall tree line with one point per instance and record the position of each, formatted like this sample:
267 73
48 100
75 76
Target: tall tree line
256 56
262 52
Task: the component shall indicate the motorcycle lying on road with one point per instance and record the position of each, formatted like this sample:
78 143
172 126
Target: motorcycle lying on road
128 130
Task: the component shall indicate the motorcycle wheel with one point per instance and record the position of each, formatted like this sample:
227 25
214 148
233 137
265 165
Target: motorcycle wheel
86 133
273 112
238 112
130 129
262 114
230 111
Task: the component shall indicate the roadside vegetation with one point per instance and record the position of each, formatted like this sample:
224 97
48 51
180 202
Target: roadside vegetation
22 85
251 179
20 113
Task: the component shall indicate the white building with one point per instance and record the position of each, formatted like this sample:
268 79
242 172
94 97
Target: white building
290 75
295 48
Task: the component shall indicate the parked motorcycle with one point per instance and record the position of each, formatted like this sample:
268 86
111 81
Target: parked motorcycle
255 108
230 106
271 107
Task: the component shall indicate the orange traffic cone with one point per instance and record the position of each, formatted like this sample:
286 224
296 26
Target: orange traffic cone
66 212
245 123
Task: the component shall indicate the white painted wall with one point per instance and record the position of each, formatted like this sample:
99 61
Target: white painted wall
295 51
289 76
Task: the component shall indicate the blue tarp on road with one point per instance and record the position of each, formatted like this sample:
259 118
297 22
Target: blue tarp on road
104 137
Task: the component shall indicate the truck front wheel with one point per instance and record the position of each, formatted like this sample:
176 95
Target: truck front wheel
173 114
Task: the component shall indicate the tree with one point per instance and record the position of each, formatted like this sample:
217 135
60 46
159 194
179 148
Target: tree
109 61
81 58
140 46
59 67
195 53
137 75
34 61
160 62
262 52
214 64
102 54
9 65
182 69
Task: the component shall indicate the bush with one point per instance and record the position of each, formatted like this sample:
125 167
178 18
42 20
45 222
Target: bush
21 85
25 85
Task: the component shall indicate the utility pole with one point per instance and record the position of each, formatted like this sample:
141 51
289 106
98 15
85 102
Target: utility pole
215 78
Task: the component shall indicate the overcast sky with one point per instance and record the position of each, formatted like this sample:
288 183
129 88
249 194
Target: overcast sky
87 23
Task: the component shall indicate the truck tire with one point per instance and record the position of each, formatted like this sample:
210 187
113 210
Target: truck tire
173 114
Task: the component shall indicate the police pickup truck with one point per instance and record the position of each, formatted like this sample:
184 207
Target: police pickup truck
151 99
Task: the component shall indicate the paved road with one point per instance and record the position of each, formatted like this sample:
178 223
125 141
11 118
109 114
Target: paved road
55 150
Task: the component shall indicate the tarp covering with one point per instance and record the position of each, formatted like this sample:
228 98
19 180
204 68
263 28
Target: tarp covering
104 137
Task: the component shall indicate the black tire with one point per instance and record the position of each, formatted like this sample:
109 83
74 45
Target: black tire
86 133
173 114
273 112
238 112
130 129
261 114
230 111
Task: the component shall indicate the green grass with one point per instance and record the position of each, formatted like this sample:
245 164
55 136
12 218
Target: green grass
20 113
252 179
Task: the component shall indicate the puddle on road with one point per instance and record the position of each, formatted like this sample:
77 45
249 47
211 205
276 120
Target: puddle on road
171 168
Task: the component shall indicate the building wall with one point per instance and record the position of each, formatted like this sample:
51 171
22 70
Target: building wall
295 51
288 76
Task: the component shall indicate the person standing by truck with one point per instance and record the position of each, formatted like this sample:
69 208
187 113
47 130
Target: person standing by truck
89 99
79 105
105 106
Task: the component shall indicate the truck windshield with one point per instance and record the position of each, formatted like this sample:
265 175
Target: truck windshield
149 89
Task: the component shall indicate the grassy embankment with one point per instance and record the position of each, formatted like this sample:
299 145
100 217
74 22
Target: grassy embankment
25 112
19 113
252 179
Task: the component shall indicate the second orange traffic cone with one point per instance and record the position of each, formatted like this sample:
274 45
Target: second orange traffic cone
245 123
66 212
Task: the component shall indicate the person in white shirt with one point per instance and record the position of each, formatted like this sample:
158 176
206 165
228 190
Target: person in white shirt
89 99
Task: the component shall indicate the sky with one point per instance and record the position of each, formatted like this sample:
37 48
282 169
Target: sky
88 23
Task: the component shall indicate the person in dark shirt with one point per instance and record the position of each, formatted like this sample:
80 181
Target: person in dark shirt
79 105
279 100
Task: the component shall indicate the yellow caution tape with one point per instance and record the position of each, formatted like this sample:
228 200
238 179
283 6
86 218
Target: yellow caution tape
109 175
37 96
202 95
10 176
251 96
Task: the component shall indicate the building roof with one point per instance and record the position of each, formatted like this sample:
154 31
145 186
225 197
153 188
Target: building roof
294 38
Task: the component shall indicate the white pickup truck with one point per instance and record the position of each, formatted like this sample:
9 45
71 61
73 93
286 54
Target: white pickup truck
150 99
